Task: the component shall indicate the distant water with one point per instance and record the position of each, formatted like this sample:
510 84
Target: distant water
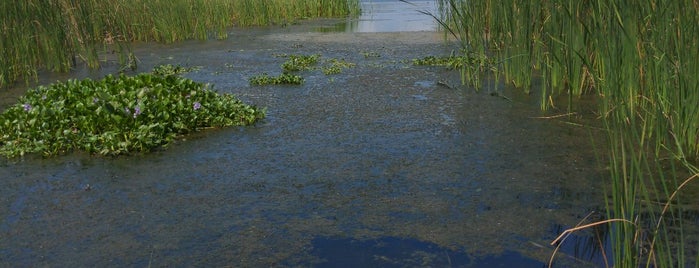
390 16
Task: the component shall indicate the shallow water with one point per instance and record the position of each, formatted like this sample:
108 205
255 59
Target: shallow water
380 159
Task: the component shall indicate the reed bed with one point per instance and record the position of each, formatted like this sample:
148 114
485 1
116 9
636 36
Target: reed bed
640 59
56 34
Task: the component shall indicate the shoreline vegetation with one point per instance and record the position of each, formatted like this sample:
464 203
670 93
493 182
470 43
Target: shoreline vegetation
55 35
123 114
639 60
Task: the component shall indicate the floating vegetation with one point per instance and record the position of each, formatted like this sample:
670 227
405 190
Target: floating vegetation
282 79
296 63
300 62
451 62
55 35
116 115
335 66
169 69
370 54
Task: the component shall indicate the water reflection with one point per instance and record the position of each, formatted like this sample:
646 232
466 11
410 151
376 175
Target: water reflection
389 16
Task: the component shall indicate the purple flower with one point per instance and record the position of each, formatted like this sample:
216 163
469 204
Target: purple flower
27 107
127 111
197 105
136 111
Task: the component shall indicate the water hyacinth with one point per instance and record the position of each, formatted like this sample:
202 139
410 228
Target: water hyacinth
99 117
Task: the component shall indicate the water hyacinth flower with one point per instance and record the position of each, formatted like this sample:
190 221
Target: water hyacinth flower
27 107
136 111
197 105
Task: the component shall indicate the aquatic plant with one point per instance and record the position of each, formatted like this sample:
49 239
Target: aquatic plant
451 62
296 63
335 66
282 79
300 62
57 35
637 58
116 115
169 69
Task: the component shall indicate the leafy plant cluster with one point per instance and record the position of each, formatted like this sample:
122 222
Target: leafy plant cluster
296 63
282 79
116 115
169 69
336 66
471 64
451 62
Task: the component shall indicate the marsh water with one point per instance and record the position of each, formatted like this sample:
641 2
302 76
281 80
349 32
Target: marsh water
383 165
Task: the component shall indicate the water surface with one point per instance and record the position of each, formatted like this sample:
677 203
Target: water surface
381 157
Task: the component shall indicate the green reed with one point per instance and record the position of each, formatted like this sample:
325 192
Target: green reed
639 59
56 34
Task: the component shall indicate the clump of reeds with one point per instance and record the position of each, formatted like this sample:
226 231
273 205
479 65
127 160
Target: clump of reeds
639 59
56 34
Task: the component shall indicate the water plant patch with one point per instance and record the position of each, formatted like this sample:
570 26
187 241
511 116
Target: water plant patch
282 79
300 62
116 115
451 62
335 66
169 69
296 63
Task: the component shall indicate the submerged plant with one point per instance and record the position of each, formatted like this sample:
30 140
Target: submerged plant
116 115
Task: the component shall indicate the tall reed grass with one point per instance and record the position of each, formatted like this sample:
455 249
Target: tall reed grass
640 59
55 34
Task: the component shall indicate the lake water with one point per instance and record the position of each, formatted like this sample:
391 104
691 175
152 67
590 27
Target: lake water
378 166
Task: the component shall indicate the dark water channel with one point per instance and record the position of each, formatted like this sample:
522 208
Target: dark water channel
378 166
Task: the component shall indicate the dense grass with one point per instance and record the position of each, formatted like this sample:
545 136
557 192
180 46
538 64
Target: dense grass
56 34
640 59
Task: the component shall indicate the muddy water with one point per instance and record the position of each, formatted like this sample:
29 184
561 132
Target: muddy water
380 165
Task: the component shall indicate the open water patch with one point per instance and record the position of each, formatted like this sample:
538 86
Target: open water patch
381 16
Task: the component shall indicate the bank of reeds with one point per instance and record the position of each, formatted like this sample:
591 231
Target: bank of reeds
640 59
56 34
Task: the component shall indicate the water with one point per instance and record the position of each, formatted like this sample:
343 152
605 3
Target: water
380 159
380 16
